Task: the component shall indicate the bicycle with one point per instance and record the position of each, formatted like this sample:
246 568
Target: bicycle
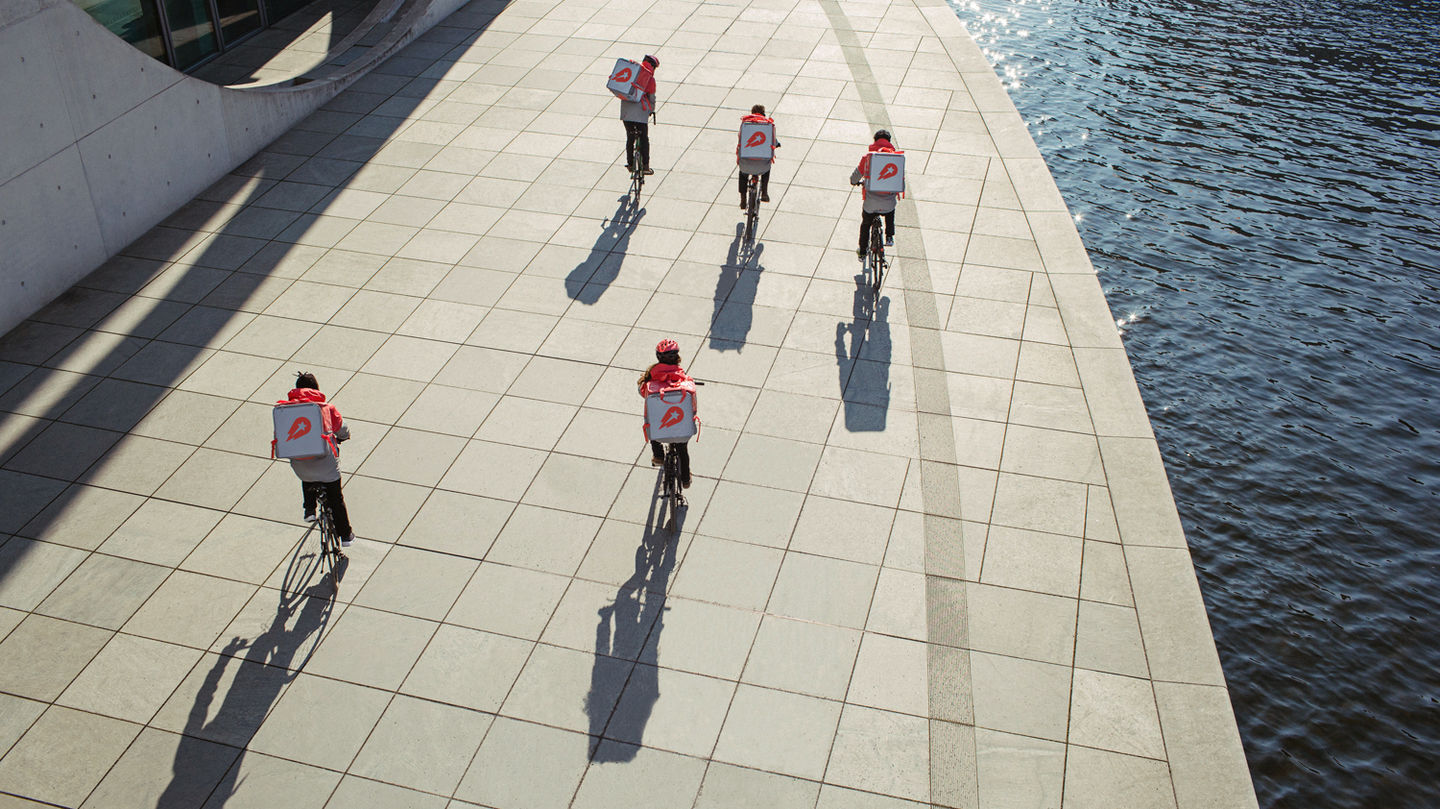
637 175
752 207
333 561
672 485
875 261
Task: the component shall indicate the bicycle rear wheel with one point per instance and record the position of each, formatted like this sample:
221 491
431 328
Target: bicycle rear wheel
752 209
672 476
331 557
877 253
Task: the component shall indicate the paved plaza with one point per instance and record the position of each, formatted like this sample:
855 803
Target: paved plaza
930 555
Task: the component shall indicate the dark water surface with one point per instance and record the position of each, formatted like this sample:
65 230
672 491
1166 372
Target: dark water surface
1257 184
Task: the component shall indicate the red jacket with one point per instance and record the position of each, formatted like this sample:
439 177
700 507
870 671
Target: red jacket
863 170
661 376
333 422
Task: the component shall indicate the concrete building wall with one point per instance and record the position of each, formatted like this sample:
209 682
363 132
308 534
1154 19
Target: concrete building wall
101 142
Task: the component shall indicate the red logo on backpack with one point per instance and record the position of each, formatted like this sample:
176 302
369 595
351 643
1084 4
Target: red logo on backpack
889 171
756 139
299 427
621 76
672 417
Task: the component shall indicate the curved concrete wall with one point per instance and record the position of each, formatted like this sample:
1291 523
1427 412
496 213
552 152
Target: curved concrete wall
101 142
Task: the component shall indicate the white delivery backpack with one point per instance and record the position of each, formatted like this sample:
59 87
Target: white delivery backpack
300 432
622 80
757 141
670 414
887 173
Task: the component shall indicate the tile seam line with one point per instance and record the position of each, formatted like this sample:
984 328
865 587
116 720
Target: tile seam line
924 338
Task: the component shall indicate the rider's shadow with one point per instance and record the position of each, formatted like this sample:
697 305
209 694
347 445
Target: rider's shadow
594 274
258 678
630 627
735 292
862 354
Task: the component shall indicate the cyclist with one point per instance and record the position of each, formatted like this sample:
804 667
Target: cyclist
322 472
636 115
664 373
876 203
753 165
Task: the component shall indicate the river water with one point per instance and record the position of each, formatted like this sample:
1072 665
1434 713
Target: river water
1257 184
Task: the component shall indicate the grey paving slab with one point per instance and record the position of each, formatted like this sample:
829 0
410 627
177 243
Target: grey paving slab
65 754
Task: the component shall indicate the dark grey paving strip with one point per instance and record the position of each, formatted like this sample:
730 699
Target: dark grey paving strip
953 766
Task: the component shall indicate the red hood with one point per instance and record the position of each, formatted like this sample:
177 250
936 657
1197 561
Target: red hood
882 145
752 118
668 374
306 395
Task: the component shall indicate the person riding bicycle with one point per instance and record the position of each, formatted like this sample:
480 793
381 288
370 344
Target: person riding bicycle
636 115
750 166
876 203
323 472
665 373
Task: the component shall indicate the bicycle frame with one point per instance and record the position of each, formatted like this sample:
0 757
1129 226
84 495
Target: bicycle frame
752 207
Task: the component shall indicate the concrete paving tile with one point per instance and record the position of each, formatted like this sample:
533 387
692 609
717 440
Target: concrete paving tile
816 588
453 411
458 524
567 689
185 417
130 678
290 731
773 462
1016 771
779 732
1116 713
526 422
62 451
807 658
1173 621
113 404
64 755
730 573
338 347
604 435
624 554
669 710
212 479
1099 778
381 509
842 529
1052 454
880 751
412 456
161 768
847 474
223 699
526 766
468 668
393 585
980 355
234 376
1107 638
46 393
33 569
1040 504
137 464
349 652
483 369
899 605
1020 696
586 485
509 600
1100 516
1103 576
361 793
421 744
730 787
545 539
103 591
256 781
190 609
9 619
1207 762
891 674
42 656
753 514
622 773
1030 560
1021 624
368 397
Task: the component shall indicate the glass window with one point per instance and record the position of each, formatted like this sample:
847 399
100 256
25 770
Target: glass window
238 18
192 32
134 21
280 9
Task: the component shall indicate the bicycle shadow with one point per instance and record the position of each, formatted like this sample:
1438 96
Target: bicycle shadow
594 274
267 666
735 292
621 708
863 361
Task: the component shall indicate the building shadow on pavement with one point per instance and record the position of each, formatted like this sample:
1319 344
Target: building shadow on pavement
735 292
862 356
629 629
593 275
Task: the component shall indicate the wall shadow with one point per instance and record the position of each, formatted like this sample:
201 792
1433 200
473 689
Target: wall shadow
629 628
735 292
862 357
594 274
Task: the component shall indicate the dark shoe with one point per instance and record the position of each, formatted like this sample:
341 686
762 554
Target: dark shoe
685 483
345 543
743 206
860 252
629 167
310 516
764 197
649 170
889 241
657 461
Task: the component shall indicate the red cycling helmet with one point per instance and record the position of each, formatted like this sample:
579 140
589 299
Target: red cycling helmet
667 346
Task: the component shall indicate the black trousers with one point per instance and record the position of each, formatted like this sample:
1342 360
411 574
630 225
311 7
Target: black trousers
335 497
764 184
684 449
866 218
637 132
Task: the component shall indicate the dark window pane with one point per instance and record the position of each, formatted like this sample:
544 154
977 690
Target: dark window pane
238 18
192 32
280 9
134 21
